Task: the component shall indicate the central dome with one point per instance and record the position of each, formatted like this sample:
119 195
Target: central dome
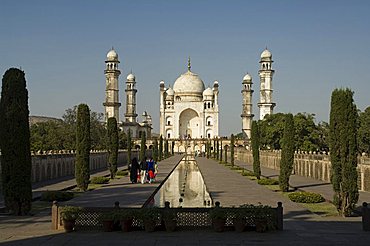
189 83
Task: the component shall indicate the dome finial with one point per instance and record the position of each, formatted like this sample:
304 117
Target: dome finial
189 64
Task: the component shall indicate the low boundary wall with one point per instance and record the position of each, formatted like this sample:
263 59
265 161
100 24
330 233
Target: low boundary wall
313 165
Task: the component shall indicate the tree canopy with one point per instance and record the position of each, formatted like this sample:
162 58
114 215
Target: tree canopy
308 136
364 132
61 135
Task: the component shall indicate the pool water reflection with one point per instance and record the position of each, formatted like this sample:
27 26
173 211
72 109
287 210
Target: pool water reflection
184 187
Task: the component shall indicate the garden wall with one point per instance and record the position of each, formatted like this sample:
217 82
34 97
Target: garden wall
58 165
311 165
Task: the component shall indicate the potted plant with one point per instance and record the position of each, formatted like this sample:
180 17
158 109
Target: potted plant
69 214
218 216
150 217
239 218
169 217
107 219
126 217
262 218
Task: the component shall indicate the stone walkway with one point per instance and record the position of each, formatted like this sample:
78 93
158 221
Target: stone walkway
123 191
300 226
232 189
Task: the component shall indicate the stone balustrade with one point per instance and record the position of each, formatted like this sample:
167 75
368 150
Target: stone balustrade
61 163
308 164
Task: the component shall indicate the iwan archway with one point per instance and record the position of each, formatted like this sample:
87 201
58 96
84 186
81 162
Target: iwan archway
189 124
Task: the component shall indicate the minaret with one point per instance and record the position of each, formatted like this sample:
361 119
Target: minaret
130 115
112 73
247 115
162 108
266 105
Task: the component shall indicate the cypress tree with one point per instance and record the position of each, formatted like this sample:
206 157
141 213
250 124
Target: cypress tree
256 149
129 147
287 153
142 146
173 148
217 150
232 142
225 153
343 150
220 152
207 149
210 149
82 169
166 149
214 148
16 162
112 146
155 150
160 149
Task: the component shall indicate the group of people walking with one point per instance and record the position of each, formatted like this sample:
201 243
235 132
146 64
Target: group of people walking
144 172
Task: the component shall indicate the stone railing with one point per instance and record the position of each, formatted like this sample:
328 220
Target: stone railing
186 218
59 164
308 164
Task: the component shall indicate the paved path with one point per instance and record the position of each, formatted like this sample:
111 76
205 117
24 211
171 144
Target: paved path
232 189
225 185
63 183
123 191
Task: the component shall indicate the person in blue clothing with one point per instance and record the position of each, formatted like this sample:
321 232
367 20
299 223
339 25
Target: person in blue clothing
151 170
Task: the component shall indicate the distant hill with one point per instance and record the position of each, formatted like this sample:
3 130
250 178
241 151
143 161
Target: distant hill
38 119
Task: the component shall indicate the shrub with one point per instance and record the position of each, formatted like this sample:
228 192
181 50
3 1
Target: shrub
59 196
99 180
70 212
122 173
247 173
236 168
268 182
306 197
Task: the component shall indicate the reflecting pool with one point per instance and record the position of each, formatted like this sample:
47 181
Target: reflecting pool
184 187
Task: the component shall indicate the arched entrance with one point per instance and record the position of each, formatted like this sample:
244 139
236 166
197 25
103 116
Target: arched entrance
189 124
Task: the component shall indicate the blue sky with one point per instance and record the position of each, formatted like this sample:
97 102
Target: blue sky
317 46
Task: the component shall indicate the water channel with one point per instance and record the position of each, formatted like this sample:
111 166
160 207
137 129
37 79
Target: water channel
184 187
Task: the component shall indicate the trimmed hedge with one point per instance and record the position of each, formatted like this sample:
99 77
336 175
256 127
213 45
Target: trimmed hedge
99 180
268 182
306 197
122 173
236 168
247 173
59 196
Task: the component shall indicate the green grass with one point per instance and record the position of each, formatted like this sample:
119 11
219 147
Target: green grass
94 186
39 206
122 173
90 187
264 181
324 209
252 177
236 168
273 187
